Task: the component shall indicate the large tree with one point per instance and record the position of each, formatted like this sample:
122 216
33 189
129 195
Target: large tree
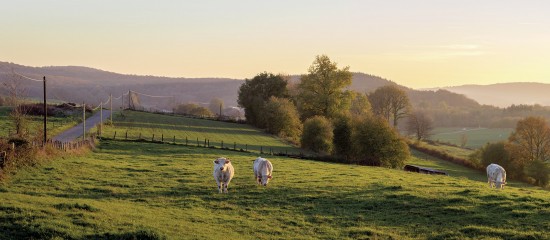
322 91
530 148
390 102
255 92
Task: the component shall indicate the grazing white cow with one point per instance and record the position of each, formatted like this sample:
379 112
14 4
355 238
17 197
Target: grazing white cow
496 176
223 173
263 170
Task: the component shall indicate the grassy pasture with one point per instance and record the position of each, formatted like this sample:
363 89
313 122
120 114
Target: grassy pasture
477 137
147 190
54 126
242 135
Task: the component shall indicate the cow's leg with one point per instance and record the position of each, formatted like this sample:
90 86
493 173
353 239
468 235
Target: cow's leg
225 189
219 186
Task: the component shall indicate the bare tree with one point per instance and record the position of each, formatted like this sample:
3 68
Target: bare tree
390 102
420 125
18 115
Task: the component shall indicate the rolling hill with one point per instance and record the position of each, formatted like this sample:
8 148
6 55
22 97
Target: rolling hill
506 94
78 84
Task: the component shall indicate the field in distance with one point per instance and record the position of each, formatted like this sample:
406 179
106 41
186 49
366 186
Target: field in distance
149 190
240 136
476 137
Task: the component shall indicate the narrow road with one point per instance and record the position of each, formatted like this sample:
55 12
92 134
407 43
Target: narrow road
75 132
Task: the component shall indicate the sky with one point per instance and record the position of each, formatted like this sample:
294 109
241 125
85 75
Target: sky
416 43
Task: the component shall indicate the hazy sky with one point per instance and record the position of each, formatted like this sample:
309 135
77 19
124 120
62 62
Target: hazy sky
414 43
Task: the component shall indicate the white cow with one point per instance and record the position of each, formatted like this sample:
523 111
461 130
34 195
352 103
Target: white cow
263 170
496 176
223 173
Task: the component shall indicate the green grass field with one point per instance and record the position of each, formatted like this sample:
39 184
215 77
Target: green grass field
477 137
241 136
55 125
148 191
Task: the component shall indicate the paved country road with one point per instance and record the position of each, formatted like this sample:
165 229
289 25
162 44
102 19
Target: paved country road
75 132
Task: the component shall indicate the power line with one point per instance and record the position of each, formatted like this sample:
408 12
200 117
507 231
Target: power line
32 79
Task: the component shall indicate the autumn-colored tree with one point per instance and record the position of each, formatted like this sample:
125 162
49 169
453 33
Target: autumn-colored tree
419 125
322 91
390 102
531 139
282 119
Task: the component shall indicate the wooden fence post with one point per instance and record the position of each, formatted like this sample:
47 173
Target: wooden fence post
139 135
186 141
126 135
234 145
153 139
114 136
222 144
261 150
174 139
198 144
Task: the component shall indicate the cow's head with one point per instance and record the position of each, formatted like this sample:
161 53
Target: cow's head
221 163
500 184
264 179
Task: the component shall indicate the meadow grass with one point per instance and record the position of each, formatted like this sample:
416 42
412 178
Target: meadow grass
477 137
240 136
55 125
130 190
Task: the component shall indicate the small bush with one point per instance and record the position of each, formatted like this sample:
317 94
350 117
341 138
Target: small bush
318 135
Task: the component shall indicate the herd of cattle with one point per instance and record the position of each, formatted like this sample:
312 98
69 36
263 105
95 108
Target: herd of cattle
224 172
263 170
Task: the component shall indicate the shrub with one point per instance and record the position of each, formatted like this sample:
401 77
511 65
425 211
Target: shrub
318 135
540 171
282 119
378 144
342 141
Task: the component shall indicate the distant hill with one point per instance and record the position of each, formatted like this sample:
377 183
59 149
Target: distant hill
78 84
506 94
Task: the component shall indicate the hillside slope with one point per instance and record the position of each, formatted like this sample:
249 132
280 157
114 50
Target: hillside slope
506 94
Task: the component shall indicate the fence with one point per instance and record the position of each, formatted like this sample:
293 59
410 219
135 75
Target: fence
66 146
206 143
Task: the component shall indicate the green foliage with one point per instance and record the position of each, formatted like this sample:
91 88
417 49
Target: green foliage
342 142
495 153
322 91
318 135
360 105
378 144
282 119
540 171
255 92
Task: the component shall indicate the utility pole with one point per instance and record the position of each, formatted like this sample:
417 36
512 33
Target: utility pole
100 118
220 110
84 120
129 91
45 113
111 109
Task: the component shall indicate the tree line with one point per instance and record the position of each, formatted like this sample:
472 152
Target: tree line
321 114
